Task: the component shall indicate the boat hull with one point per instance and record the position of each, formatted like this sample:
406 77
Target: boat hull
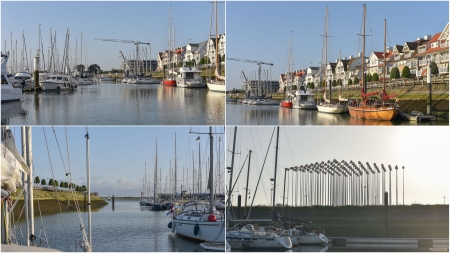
193 83
244 242
332 109
169 82
286 104
216 87
12 94
375 113
207 231
51 86
309 239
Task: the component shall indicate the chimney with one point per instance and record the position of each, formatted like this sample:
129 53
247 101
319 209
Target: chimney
350 57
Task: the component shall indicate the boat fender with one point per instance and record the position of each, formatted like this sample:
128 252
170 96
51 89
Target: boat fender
58 88
196 228
169 225
173 227
212 218
65 85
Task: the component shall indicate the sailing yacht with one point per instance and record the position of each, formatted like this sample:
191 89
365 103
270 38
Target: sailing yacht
10 92
326 106
218 84
199 220
170 80
287 101
372 106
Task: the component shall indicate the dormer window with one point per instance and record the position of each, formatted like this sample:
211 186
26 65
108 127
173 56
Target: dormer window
434 44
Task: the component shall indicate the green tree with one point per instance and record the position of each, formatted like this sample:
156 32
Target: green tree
356 80
61 185
37 180
294 87
375 77
43 182
334 83
395 73
50 182
55 183
66 185
405 72
369 77
223 58
339 82
349 81
94 69
80 68
434 70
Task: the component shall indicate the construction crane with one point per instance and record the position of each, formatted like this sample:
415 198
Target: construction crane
126 62
128 41
259 63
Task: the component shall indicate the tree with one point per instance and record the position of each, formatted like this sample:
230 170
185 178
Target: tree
375 77
356 80
294 87
37 180
339 82
349 82
334 83
434 69
50 182
66 185
61 185
80 68
43 182
405 72
395 73
94 69
369 77
223 58
311 85
55 183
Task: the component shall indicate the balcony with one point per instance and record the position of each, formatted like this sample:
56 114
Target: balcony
422 50
443 70
408 55
444 44
422 62
444 58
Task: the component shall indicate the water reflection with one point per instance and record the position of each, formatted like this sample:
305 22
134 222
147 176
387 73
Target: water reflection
238 114
121 104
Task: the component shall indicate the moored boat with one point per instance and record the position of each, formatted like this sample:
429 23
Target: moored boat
57 83
189 76
10 92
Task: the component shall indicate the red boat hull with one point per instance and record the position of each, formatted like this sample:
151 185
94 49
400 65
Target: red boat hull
169 82
286 104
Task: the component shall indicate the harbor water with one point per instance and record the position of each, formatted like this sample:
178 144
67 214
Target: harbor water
238 114
127 228
118 104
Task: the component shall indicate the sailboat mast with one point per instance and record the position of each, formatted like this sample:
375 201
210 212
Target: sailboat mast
88 188
384 69
193 174
231 172
211 171
326 50
363 52
217 40
155 181
275 171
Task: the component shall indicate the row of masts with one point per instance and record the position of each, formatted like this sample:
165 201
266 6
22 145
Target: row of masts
197 184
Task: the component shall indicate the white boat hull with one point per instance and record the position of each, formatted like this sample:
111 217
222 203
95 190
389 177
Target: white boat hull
10 94
51 86
208 231
190 83
148 81
245 242
216 87
309 239
266 102
332 109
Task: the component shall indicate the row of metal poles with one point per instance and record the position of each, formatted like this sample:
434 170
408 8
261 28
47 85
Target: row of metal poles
335 183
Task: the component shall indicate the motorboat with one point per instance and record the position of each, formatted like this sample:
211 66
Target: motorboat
23 78
262 101
189 76
304 99
147 80
10 91
248 237
217 86
57 83
106 78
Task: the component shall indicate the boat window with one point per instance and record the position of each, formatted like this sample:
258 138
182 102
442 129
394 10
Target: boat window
189 74
4 80
59 78
53 78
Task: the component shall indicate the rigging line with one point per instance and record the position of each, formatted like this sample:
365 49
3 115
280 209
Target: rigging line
290 147
42 221
239 174
59 149
262 168
264 188
57 194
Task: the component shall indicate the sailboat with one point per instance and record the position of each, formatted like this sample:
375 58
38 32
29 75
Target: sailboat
170 80
157 205
219 83
198 220
12 163
287 102
247 236
326 106
372 105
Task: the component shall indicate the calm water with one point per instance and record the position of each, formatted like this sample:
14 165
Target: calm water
119 104
129 228
238 114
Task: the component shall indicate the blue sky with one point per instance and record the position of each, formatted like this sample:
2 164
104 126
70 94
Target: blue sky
139 21
422 150
260 30
118 155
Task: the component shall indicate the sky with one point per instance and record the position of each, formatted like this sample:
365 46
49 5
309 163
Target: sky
144 21
423 151
118 155
260 31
